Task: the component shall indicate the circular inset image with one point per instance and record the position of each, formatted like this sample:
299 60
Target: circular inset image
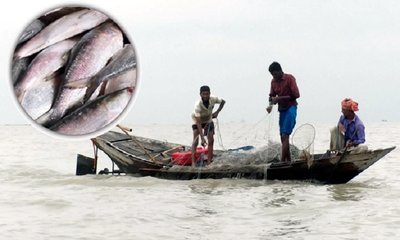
74 71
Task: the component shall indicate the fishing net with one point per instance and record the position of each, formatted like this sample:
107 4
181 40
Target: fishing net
218 133
303 138
253 156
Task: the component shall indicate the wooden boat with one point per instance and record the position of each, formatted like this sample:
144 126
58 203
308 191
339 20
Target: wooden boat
148 157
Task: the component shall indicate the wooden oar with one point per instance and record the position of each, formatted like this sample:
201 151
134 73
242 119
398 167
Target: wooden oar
124 129
168 150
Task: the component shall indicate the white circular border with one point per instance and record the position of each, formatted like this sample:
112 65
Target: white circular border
108 127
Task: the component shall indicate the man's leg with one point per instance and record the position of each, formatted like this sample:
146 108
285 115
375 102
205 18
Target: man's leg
195 142
285 155
337 139
210 138
287 121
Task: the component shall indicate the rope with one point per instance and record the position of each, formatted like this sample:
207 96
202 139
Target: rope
219 136
247 131
269 127
95 152
268 137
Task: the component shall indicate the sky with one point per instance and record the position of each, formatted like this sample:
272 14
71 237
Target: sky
334 48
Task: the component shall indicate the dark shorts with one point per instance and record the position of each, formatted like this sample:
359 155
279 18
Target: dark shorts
206 126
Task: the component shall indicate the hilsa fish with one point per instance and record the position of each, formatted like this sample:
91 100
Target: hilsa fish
43 65
95 115
87 58
61 29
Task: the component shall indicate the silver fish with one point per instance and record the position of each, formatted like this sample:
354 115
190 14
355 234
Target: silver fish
39 98
87 58
127 79
94 115
122 61
31 30
61 29
44 64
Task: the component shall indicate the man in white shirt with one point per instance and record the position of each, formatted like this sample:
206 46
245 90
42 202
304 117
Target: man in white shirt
202 121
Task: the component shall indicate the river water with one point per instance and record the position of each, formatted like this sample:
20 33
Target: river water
41 198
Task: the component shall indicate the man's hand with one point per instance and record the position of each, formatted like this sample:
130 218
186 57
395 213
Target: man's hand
203 142
349 143
274 100
342 129
269 109
215 115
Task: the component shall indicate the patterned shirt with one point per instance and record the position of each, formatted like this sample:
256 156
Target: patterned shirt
355 130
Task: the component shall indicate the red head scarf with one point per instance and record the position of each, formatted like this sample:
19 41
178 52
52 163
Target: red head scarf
350 104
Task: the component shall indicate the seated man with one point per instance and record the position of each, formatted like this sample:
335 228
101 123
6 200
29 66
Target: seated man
350 131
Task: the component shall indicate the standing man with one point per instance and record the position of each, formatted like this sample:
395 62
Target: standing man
284 92
202 121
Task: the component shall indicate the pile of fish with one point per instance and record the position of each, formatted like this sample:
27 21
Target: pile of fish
74 70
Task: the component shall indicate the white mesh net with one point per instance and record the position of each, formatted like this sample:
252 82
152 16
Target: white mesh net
303 138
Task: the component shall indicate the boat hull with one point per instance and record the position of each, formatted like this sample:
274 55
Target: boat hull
143 156
322 170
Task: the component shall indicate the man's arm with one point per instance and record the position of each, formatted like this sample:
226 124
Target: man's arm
294 89
272 95
276 100
221 105
271 104
360 133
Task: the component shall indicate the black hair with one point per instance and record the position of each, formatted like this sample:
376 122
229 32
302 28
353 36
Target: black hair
275 66
204 89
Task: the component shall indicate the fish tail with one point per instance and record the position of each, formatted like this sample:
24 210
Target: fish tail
48 118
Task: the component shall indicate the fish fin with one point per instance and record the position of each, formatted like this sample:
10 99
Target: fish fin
89 92
65 56
44 118
51 76
81 83
19 94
